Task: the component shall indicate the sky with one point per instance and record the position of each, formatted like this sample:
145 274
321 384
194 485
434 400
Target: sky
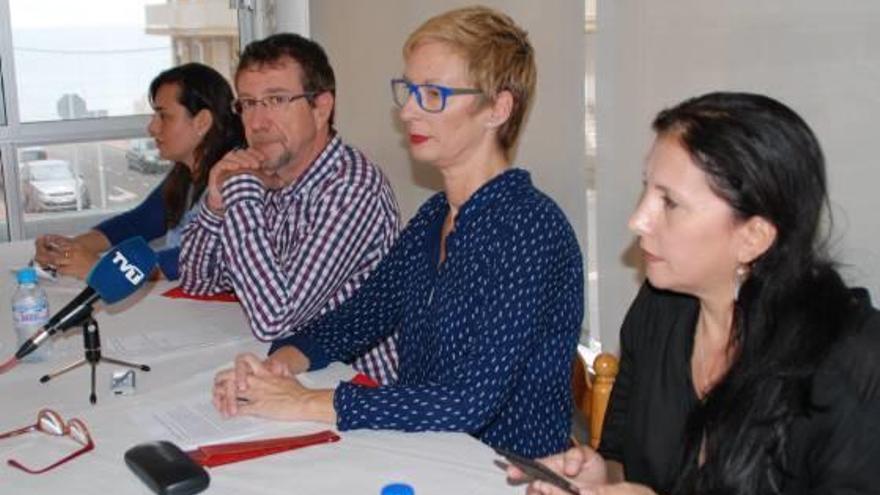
27 14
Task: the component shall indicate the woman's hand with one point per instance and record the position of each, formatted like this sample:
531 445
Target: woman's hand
582 465
619 489
585 468
228 383
48 249
267 389
65 254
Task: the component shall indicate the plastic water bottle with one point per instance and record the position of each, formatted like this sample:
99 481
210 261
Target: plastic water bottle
30 311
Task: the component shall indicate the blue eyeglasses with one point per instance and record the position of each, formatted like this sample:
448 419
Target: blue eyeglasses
430 97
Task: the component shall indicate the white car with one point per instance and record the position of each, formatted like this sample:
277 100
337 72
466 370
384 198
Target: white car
28 154
52 185
31 154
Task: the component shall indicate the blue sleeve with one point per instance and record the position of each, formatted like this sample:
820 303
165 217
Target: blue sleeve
317 357
168 262
371 314
146 220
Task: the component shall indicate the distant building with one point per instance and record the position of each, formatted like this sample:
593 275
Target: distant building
203 31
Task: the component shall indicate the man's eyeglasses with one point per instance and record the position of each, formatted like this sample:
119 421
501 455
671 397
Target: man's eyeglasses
51 423
271 102
430 97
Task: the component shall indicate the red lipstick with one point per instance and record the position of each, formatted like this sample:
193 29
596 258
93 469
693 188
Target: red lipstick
417 138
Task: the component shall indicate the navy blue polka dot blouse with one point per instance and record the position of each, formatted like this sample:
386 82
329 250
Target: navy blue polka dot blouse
486 338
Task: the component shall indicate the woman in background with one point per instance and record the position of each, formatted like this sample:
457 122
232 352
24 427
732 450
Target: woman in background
194 126
747 365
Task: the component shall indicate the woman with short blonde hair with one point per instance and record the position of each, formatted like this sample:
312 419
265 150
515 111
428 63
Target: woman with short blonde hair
485 285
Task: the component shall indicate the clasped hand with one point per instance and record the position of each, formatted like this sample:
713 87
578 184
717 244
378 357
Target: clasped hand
237 162
268 389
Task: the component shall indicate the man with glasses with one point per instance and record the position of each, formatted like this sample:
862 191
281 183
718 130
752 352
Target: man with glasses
295 222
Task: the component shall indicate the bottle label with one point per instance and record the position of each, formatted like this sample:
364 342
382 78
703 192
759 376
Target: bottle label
34 313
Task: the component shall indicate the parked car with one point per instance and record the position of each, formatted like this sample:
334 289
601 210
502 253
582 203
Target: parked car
28 154
143 156
52 185
31 154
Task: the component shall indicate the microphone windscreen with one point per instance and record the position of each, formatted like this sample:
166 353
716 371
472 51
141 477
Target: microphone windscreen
122 269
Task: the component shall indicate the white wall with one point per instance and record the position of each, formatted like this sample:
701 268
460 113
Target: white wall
288 15
820 57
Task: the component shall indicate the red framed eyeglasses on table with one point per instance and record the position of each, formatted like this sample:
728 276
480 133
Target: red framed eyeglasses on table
51 423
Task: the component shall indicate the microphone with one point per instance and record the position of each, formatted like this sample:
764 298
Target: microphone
117 275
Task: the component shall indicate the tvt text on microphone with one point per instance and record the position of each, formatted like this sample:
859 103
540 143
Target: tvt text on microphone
117 275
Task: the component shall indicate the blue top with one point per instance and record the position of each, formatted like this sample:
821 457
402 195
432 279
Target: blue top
487 337
148 221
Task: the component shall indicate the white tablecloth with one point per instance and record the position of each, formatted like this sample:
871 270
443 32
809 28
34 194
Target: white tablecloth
362 462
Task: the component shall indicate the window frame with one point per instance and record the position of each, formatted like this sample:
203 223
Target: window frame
15 134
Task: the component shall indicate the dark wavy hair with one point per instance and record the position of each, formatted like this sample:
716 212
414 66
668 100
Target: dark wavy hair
317 73
763 160
199 88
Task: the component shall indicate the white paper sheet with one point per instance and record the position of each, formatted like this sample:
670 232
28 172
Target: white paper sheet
195 422
198 423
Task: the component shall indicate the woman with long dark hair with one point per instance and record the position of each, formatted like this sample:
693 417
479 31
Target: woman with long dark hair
747 365
194 126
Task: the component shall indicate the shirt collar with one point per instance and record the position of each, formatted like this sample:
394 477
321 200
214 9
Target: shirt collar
502 186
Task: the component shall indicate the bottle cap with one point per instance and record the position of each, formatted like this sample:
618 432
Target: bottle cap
397 489
26 275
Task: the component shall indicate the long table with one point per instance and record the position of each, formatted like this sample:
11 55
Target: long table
155 330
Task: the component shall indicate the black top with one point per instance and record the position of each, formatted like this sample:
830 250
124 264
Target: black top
836 450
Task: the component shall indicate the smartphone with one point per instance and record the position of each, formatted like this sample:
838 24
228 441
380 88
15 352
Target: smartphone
538 471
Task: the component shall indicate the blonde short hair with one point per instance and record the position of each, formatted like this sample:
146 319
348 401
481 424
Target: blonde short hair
498 54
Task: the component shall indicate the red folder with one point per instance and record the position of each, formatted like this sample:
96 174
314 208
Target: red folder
178 293
364 381
226 453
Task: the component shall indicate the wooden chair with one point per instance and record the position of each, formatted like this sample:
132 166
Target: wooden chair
592 392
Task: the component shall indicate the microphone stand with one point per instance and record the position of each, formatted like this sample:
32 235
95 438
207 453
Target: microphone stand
92 345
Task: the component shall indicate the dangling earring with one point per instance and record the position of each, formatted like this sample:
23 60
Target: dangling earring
739 279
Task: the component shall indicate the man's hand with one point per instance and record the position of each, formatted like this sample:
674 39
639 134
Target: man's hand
239 161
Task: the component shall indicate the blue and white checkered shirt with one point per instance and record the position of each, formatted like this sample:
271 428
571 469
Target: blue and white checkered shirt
295 253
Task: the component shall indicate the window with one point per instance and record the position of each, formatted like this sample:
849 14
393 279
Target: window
67 187
74 106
